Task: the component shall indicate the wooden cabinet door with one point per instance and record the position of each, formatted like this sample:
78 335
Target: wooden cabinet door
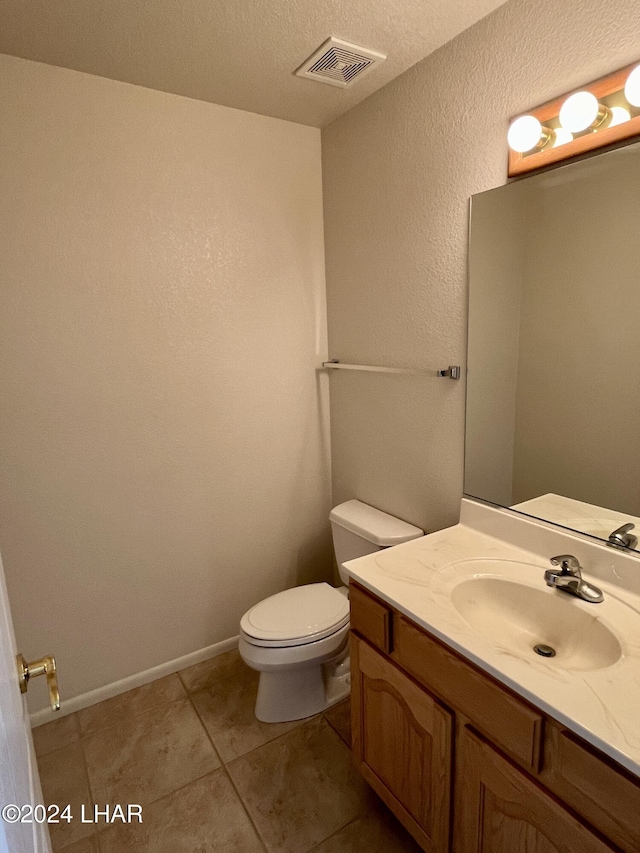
500 810
402 744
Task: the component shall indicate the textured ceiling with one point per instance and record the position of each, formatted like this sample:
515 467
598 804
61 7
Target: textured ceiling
239 53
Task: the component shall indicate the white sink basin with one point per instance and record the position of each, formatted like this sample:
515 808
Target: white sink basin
508 604
516 617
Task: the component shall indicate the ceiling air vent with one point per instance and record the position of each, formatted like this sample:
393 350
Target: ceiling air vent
339 63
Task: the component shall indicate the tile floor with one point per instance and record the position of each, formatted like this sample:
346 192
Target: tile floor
208 775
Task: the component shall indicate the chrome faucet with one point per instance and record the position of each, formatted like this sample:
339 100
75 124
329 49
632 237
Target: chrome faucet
621 538
569 579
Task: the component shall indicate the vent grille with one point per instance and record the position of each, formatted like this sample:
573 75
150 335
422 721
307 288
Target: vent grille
339 63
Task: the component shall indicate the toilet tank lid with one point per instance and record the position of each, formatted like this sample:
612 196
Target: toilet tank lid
372 524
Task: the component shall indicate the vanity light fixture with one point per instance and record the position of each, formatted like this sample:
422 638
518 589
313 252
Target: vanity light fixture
583 111
606 112
632 87
561 136
619 115
526 133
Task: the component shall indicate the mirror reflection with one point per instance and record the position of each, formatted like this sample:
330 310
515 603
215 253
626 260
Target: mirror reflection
553 391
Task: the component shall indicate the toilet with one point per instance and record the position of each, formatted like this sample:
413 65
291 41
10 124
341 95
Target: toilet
298 639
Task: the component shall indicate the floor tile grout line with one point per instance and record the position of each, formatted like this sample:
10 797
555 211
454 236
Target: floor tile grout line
246 810
105 826
77 713
184 686
305 722
86 735
86 770
209 682
88 776
102 827
221 769
225 763
94 833
64 745
67 847
336 730
214 683
207 732
329 837
82 736
319 716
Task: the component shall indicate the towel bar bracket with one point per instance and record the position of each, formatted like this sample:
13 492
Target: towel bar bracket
452 372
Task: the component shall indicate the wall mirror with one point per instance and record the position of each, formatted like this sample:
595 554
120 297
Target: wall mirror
553 390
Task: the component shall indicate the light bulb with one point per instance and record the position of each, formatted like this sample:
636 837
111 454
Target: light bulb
524 134
619 116
561 137
632 87
580 112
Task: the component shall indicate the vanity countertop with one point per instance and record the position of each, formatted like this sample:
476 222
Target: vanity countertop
417 578
577 515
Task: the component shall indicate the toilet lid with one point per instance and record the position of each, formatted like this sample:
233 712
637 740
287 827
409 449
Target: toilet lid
304 613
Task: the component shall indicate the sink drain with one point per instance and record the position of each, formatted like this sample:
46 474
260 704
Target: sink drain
545 651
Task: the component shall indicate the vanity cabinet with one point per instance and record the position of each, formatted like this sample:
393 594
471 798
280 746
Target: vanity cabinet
502 810
404 743
466 764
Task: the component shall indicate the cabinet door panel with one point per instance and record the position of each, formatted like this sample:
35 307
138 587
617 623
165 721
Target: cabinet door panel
506 719
500 810
402 742
591 784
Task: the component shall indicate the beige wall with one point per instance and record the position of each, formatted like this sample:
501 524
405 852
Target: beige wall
163 429
578 399
398 173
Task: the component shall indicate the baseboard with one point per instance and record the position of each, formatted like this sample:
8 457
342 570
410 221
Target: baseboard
77 703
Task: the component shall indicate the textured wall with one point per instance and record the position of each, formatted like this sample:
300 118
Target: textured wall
398 172
163 429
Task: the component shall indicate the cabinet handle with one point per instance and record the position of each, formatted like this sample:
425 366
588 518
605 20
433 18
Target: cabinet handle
44 666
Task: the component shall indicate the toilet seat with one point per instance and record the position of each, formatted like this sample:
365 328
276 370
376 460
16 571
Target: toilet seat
295 617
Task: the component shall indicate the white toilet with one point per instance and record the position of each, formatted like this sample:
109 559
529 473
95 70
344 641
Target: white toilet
298 639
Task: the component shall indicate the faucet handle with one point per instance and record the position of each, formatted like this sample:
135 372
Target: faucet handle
568 563
622 538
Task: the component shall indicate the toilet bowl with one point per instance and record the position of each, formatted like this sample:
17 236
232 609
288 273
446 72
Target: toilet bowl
292 638
298 639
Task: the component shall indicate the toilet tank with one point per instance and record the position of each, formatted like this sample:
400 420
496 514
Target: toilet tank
360 529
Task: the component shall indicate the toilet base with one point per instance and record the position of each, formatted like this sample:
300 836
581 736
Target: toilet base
298 693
